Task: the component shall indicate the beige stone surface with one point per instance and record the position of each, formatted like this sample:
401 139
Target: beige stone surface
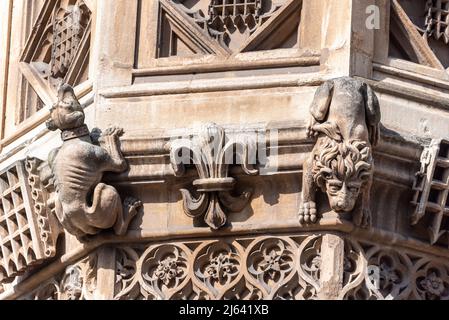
163 70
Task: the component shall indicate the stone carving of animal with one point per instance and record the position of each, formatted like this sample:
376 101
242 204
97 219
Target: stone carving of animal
83 204
345 117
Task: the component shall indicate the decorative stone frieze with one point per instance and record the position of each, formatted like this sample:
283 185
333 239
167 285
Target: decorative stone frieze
212 153
76 282
392 274
257 268
289 267
344 116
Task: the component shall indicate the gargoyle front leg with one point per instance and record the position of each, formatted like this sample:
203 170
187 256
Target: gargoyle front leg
362 211
307 209
109 141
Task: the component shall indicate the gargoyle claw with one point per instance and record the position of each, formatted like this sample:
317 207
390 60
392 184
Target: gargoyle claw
307 212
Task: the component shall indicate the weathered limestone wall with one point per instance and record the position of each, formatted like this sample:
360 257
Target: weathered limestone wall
160 73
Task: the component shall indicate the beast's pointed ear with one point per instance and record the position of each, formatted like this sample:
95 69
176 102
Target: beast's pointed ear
65 92
373 115
51 125
322 100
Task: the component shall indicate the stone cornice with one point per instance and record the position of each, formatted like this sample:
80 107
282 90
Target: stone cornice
148 155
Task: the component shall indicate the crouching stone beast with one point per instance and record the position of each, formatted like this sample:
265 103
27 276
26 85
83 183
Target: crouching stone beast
83 204
345 118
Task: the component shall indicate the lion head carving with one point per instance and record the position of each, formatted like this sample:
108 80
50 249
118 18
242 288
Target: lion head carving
341 169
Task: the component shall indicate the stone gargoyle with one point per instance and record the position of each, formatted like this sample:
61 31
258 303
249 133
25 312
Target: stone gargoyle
345 118
83 204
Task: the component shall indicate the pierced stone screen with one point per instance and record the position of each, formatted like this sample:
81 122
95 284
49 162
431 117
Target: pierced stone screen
20 243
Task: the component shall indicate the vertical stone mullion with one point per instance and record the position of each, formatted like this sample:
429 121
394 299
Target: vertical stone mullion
105 274
332 267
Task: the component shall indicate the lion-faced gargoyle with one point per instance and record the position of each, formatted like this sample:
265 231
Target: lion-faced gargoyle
83 204
345 117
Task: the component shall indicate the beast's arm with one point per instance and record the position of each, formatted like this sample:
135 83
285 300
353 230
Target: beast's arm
110 143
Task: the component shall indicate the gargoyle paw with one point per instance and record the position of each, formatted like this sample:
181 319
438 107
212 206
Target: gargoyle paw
131 204
113 132
307 212
363 219
130 208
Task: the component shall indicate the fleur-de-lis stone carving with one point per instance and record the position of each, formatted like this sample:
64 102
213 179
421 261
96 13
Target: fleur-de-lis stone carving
212 154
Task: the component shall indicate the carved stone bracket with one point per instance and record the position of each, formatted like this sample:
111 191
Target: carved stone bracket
212 154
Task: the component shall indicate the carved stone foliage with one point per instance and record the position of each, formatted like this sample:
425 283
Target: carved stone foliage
212 153
390 274
26 237
57 50
224 27
77 282
431 188
344 116
75 169
243 268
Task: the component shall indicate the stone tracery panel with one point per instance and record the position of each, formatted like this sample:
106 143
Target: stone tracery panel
230 22
277 267
76 282
394 274
274 267
57 50
189 29
242 268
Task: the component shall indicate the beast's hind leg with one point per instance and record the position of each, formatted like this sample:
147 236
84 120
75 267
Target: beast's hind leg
107 210
66 222
106 207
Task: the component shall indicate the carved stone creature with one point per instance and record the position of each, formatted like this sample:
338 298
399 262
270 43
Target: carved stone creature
83 204
345 116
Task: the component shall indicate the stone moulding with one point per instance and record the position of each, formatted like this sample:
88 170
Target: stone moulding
287 266
212 155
